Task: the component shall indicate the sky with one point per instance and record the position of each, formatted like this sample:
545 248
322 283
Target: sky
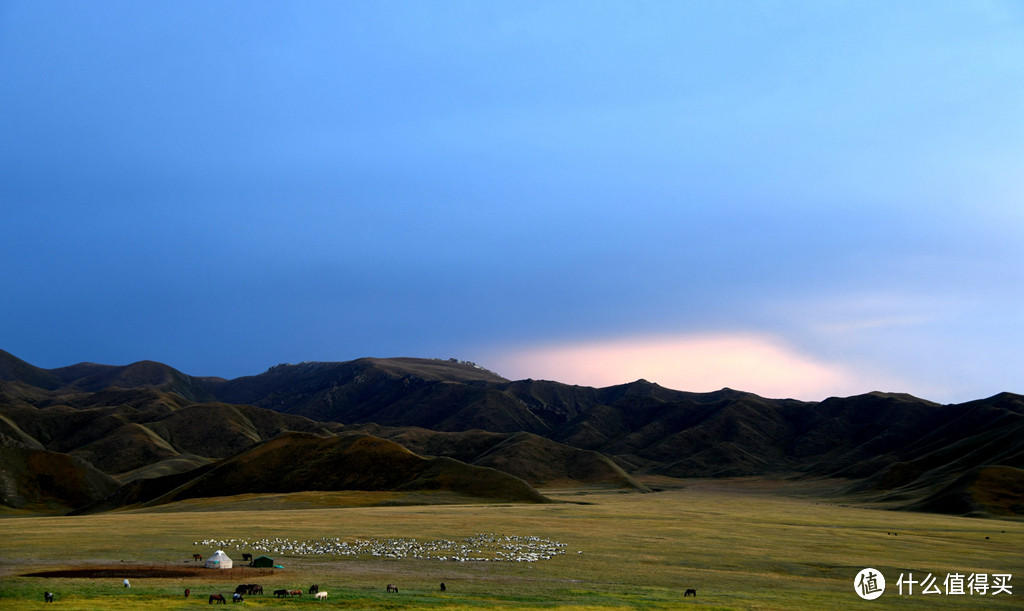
793 198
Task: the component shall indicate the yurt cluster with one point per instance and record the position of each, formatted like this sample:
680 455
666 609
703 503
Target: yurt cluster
220 560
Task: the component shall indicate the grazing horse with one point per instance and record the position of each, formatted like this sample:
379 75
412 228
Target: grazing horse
280 593
246 557
295 592
197 557
218 598
48 597
313 589
690 591
255 589
442 587
392 588
187 592
321 595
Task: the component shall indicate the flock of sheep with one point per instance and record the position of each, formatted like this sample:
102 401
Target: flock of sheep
478 548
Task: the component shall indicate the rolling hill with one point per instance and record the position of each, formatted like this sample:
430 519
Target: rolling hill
48 482
146 420
538 460
298 462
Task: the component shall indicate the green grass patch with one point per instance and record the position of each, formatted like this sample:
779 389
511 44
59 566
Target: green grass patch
740 546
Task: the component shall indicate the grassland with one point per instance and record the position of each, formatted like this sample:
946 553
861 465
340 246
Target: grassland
741 545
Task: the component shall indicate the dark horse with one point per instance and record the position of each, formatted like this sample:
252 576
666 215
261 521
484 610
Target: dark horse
197 557
280 593
218 598
246 557
313 589
48 597
392 587
690 591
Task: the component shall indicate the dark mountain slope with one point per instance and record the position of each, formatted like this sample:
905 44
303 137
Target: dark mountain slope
122 430
48 482
218 430
13 369
444 395
91 377
895 445
742 435
546 463
870 427
538 460
981 433
996 490
297 462
141 490
130 446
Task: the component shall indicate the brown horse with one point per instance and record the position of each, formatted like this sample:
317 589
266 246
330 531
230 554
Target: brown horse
295 592
197 557
392 588
218 598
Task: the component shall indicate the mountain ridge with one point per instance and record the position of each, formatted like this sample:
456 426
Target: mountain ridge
147 418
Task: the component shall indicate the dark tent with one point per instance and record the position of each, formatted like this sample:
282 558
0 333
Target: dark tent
263 562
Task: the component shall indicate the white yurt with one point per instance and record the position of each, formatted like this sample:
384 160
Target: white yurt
219 560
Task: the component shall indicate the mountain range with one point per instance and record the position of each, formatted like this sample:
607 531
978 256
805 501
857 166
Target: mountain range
92 437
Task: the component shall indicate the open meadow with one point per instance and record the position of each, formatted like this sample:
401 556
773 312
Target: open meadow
740 545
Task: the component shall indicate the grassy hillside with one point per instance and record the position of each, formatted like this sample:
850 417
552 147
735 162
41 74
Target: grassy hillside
48 482
295 462
539 461
122 430
147 419
985 491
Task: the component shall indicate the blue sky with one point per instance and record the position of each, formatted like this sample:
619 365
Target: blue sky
799 199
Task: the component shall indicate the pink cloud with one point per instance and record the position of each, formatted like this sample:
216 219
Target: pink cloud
698 363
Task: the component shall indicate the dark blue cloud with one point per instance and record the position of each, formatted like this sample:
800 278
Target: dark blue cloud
225 186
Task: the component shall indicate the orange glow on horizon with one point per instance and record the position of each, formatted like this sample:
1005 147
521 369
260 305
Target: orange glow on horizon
696 363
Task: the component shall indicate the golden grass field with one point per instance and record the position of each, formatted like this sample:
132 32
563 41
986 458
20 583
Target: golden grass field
740 544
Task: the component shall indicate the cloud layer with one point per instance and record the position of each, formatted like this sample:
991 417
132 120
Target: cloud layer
700 363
